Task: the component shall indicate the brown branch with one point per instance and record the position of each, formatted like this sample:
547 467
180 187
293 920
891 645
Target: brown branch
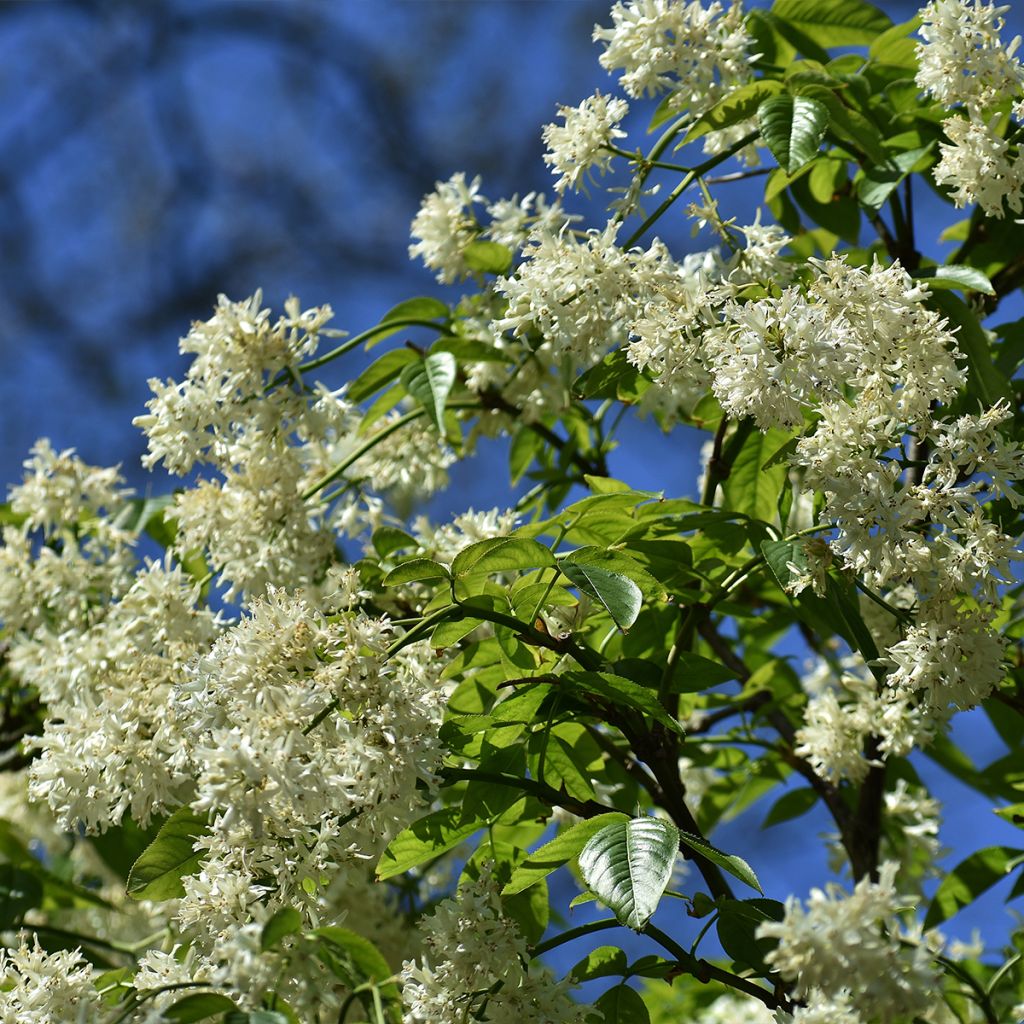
829 794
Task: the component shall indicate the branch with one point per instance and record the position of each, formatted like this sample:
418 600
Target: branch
829 794
496 401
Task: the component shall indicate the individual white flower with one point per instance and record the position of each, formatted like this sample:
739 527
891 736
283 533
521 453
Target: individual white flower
842 943
811 570
445 225
473 961
963 59
581 142
47 988
977 165
699 53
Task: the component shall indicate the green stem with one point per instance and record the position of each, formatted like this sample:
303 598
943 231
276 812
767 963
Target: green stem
574 933
425 625
368 445
563 529
704 971
643 162
587 658
367 335
687 181
371 442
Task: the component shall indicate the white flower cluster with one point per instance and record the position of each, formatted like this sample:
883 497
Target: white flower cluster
281 790
270 445
581 143
850 950
978 165
580 296
68 557
473 963
963 61
37 987
109 746
697 53
446 224
962 58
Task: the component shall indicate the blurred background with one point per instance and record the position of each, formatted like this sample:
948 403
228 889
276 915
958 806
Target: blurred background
153 155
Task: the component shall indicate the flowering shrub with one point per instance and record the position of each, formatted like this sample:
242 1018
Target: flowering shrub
319 760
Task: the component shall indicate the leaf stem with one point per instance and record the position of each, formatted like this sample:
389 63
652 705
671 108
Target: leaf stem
687 181
573 933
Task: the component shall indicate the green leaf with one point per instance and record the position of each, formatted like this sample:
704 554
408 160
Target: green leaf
157 874
878 183
957 277
121 846
833 22
738 921
621 597
430 381
738 105
470 350
695 673
736 866
487 257
614 377
287 921
792 128
628 864
790 805
199 1006
502 554
256 1017
414 571
603 962
973 876
610 559
984 381
753 487
836 612
424 839
621 1005
380 372
422 307
558 851
622 691
387 540
20 890
365 957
